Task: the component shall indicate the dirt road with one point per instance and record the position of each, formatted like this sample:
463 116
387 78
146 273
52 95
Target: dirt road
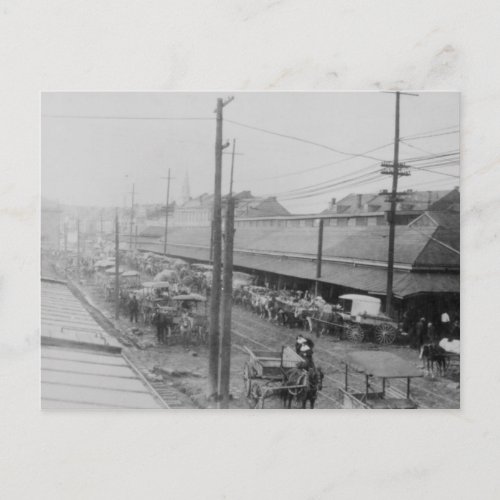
185 369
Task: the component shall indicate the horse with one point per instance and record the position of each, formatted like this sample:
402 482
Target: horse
323 322
311 380
434 356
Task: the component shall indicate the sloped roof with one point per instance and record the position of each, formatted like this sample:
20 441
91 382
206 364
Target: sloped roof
415 200
449 202
447 220
81 365
203 201
351 202
412 247
372 243
260 207
357 277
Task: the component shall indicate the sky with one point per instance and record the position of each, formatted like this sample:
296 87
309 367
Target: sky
95 146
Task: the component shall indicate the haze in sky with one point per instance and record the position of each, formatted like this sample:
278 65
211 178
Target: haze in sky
95 145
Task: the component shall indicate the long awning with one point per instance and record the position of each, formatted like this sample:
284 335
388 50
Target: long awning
360 277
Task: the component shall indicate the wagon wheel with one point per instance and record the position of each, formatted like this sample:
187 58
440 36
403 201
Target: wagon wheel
385 333
302 380
354 333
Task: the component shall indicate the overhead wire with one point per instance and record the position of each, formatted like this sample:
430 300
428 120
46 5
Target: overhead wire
358 180
299 139
124 117
335 179
415 138
318 167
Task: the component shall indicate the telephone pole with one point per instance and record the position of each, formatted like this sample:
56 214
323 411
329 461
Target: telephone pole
117 266
232 170
132 215
319 255
166 214
227 301
396 170
213 338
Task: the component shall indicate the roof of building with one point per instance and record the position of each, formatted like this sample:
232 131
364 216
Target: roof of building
247 205
355 203
354 257
260 207
414 246
82 366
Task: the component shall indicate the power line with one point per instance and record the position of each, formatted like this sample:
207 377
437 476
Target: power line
435 130
431 157
117 117
447 163
323 183
439 173
368 178
323 165
415 138
299 139
326 184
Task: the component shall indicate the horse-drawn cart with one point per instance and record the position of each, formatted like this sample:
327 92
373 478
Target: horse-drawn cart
191 318
267 374
355 318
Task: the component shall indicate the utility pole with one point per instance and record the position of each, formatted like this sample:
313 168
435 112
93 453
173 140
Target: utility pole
227 303
166 214
396 170
117 266
78 248
319 255
211 253
132 214
232 170
213 338
227 300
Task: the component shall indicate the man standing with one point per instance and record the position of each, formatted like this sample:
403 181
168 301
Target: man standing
159 322
445 325
420 333
133 309
432 334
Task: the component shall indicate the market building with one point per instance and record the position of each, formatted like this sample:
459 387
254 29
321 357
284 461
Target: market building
354 258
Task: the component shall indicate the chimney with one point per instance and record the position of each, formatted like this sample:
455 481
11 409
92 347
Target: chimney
360 201
333 201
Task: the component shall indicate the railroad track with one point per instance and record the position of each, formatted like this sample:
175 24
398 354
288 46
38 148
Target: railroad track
397 389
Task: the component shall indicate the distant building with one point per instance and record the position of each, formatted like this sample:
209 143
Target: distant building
197 212
360 210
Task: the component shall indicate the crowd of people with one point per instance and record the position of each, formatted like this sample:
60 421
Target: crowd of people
431 331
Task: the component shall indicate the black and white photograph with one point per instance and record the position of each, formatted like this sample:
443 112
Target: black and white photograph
250 250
